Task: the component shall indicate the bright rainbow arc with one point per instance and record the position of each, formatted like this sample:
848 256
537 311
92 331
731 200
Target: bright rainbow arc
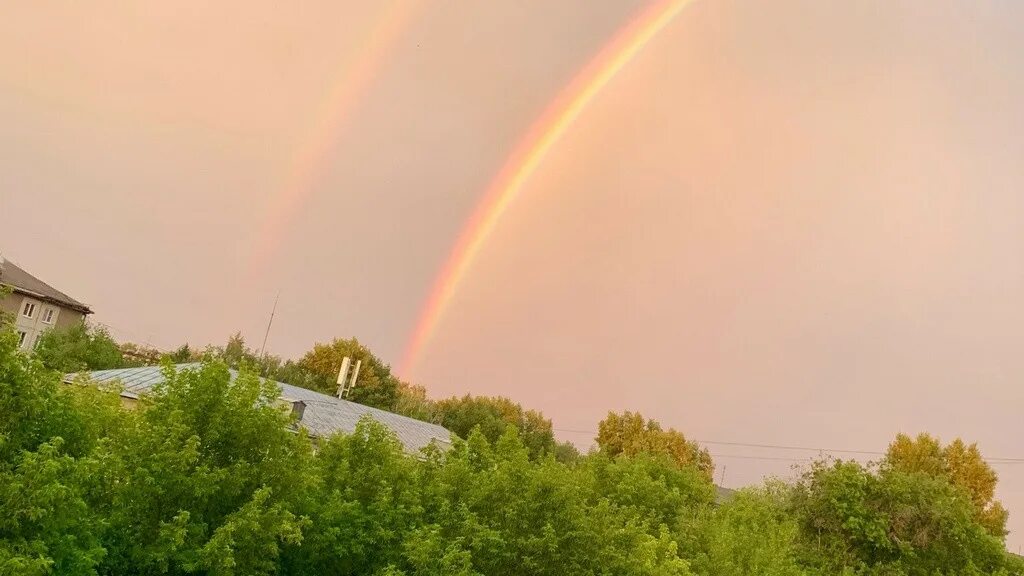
346 93
528 155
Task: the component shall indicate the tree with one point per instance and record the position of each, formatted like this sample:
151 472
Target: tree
752 533
78 347
493 416
46 436
207 475
888 521
365 505
628 434
236 354
412 401
375 385
182 355
139 355
960 464
207 478
552 519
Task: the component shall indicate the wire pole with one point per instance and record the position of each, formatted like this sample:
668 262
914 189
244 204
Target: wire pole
263 349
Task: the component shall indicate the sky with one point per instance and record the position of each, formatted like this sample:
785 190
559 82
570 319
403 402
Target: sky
790 223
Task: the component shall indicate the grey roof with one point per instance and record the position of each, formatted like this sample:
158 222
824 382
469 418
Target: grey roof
323 416
16 277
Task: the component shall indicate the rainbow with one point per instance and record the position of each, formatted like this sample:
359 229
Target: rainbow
346 92
549 128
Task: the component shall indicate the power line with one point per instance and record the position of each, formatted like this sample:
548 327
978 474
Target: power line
992 460
751 457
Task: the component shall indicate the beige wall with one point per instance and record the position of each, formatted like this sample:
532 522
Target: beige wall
34 327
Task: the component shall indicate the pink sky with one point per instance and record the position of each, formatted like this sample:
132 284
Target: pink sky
784 223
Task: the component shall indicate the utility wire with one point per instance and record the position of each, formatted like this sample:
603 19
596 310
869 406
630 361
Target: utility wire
992 460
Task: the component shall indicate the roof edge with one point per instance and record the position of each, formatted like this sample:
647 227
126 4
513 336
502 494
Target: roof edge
78 306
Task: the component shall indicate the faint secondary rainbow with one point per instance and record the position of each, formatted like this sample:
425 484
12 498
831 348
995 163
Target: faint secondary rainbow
549 128
307 163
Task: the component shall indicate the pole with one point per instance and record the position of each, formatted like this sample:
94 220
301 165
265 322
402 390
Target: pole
263 348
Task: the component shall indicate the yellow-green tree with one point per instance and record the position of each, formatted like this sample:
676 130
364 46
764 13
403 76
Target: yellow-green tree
375 385
958 462
630 434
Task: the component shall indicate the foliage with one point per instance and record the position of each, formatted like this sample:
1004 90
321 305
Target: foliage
493 417
78 347
138 355
752 533
412 401
210 465
182 355
628 434
958 463
887 521
375 385
46 525
208 476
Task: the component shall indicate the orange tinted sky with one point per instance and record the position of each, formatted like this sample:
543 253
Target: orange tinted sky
794 223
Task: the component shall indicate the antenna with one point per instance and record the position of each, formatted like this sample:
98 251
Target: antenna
343 375
263 348
355 374
721 480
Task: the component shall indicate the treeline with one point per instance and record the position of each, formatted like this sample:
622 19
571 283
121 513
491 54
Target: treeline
85 347
207 477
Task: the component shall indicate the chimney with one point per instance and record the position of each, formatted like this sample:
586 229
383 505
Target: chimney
298 409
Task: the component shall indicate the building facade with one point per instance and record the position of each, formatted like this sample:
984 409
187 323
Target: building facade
34 305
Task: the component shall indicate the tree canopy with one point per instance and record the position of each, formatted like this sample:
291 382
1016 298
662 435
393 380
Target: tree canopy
80 346
628 434
375 385
208 475
960 464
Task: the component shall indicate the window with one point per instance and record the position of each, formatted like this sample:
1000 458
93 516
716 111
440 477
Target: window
29 311
21 337
48 315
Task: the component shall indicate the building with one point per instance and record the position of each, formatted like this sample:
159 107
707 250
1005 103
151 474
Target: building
35 305
321 415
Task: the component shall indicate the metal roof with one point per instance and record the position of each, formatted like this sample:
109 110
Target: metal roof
16 277
323 416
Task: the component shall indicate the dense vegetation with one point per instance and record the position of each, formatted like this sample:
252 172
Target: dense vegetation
208 477
86 347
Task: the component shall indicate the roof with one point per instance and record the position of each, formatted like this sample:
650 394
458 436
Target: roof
323 415
21 281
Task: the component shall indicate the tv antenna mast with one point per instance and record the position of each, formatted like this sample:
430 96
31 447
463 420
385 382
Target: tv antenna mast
263 349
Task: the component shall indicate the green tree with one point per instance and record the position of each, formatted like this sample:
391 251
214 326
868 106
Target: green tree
752 533
365 504
47 526
551 518
628 434
412 401
888 521
182 355
206 479
961 464
78 347
493 416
